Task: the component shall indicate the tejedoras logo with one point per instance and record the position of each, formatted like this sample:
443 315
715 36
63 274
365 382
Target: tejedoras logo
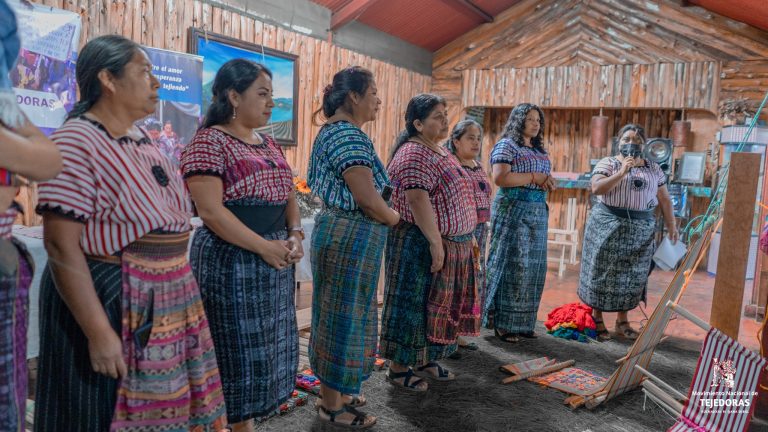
723 371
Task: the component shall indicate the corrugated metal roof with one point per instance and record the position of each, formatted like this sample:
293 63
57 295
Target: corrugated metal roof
431 24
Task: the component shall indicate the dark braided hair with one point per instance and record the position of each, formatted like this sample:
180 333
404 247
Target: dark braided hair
238 75
354 79
516 125
110 52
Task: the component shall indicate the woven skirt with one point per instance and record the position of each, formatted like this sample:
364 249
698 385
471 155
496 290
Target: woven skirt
424 313
173 381
481 237
517 261
346 255
251 310
16 271
615 260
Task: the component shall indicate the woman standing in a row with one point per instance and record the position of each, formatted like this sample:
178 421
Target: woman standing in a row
347 243
464 143
244 255
25 151
431 291
126 344
517 257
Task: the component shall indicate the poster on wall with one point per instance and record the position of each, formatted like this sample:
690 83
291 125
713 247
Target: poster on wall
179 111
44 75
217 50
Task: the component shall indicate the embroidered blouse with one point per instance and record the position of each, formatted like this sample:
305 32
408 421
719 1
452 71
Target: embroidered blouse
522 159
121 189
248 171
482 191
338 147
416 166
637 190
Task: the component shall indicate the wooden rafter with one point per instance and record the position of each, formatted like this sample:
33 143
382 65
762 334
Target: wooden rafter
475 9
349 13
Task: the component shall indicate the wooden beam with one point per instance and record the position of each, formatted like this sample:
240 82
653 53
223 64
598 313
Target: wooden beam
738 214
349 13
476 10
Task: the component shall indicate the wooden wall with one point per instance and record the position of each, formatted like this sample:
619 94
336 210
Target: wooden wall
745 79
656 85
554 33
165 23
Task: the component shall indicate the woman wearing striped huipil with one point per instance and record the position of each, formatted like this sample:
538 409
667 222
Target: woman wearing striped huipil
619 236
244 255
125 343
24 150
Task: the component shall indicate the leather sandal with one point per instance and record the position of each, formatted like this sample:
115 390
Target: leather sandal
602 334
506 337
357 422
624 330
406 384
441 375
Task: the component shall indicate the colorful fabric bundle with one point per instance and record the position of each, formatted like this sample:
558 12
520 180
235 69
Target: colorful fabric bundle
308 382
572 321
571 380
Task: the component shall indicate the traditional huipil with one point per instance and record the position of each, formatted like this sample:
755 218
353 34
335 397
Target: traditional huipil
619 238
347 248
16 270
424 313
250 304
136 213
517 256
482 192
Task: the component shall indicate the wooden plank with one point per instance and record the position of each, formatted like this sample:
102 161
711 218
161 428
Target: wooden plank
735 238
349 13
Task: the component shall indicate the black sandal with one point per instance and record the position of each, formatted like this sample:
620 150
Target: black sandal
506 337
442 373
529 335
357 423
407 384
356 401
602 335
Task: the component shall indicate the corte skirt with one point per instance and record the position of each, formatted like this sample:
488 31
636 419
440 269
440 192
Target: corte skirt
346 255
173 380
425 313
615 260
16 270
252 314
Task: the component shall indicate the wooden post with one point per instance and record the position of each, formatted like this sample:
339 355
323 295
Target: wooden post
738 214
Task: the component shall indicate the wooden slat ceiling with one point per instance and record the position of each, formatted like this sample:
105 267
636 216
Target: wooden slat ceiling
431 24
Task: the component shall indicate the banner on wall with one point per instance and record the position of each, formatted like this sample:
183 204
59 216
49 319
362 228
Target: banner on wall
179 111
44 75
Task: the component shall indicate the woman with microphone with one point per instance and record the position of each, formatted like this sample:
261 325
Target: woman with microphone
619 236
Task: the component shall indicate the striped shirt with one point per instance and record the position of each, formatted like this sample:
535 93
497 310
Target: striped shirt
522 159
416 166
637 190
120 189
338 147
482 190
6 221
253 171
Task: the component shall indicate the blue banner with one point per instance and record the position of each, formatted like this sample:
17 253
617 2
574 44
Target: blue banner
179 111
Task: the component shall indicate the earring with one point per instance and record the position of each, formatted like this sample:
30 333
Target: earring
234 113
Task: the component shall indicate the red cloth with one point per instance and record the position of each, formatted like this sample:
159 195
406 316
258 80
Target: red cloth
577 313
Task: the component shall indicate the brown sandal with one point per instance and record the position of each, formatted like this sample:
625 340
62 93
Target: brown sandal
602 334
624 330
360 420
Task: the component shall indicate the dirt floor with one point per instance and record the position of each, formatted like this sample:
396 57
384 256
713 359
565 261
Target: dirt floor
477 401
